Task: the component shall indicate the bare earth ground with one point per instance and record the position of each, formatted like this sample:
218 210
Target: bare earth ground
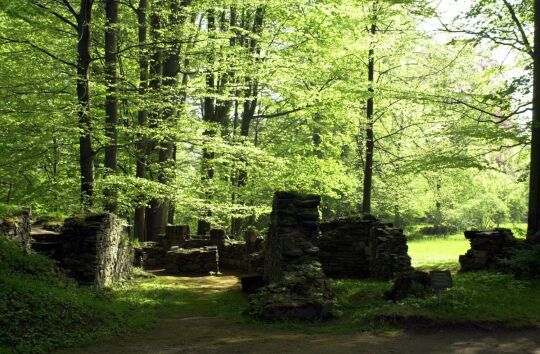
216 335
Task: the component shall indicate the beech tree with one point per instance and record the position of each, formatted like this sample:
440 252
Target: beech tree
174 111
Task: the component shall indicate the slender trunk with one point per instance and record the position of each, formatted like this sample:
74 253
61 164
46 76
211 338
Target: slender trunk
171 71
86 152
368 167
111 100
203 226
250 104
10 190
154 213
534 192
142 10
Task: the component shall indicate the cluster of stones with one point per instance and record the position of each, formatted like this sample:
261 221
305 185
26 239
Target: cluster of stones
363 247
297 287
488 250
180 253
195 261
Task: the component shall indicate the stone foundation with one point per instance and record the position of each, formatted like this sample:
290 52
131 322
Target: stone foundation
19 230
243 256
150 254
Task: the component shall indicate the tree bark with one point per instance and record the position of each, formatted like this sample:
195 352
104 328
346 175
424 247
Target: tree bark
534 191
153 213
209 115
250 104
171 71
139 224
111 100
86 151
368 166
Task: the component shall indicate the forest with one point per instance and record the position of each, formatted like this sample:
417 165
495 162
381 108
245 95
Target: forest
192 117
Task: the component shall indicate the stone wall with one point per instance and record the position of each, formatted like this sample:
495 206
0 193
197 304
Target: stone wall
389 252
297 287
345 248
196 261
233 254
150 254
96 250
362 248
488 249
18 229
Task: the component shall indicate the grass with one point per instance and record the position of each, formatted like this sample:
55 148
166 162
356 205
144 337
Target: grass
438 252
476 299
42 311
442 252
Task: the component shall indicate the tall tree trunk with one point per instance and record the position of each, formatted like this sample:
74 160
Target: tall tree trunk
171 72
111 100
86 152
534 191
370 142
153 213
251 101
142 10
209 116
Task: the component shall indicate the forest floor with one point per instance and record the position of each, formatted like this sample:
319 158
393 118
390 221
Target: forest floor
213 334
483 313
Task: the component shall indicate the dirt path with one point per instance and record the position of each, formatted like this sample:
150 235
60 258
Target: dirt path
216 335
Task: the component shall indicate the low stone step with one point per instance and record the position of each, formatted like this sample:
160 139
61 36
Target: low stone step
40 235
54 250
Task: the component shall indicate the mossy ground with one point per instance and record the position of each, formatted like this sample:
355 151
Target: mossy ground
41 310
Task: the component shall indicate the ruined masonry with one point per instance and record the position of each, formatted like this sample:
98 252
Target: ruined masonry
180 253
488 249
297 287
97 251
19 230
362 247
94 250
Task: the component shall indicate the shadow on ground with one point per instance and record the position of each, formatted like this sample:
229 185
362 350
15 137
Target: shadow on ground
190 327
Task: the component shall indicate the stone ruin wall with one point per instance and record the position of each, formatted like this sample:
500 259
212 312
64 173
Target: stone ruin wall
297 288
348 248
96 249
196 261
93 250
19 230
200 255
489 250
363 248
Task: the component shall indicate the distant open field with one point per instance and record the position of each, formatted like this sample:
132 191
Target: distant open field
442 252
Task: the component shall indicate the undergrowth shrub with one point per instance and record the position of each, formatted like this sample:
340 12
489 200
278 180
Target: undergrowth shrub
42 310
525 262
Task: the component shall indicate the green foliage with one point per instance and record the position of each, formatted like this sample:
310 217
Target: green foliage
308 132
42 310
15 262
7 210
525 262
476 299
